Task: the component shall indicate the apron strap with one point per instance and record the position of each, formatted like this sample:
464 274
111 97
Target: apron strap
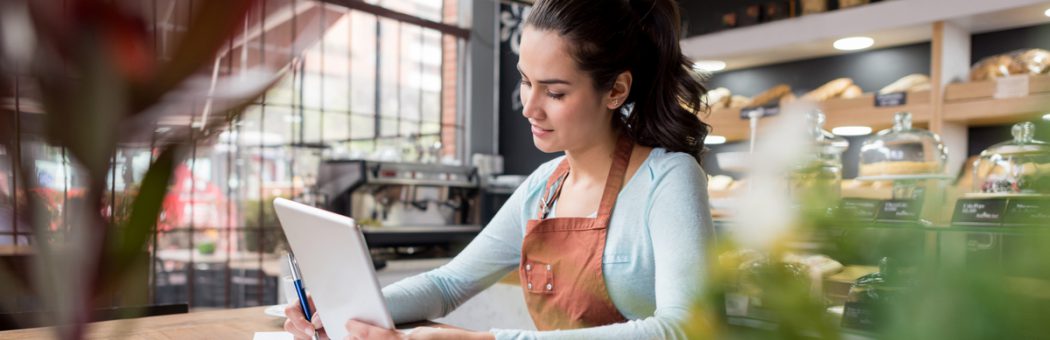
556 178
614 182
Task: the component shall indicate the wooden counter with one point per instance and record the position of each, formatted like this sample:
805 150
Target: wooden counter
221 324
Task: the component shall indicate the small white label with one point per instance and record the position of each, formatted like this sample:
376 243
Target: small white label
1011 87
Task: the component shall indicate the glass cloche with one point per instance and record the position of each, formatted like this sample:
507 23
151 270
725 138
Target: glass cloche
902 152
1017 167
820 173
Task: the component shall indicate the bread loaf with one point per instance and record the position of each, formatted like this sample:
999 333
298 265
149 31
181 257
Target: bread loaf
718 98
737 101
911 82
1035 61
853 91
994 67
829 90
814 6
770 96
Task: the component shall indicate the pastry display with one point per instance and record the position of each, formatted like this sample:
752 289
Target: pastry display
908 83
899 168
1018 166
902 151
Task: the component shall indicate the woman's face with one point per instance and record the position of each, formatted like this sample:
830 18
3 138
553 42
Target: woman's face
564 109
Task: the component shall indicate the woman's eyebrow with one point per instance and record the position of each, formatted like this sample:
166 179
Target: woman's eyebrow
545 81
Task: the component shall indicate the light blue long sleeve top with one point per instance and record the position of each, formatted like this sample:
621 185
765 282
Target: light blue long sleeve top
654 260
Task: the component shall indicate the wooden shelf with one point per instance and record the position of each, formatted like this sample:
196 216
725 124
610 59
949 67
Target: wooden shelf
890 23
973 103
839 112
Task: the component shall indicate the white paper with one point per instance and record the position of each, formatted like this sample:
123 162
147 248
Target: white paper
1011 87
273 336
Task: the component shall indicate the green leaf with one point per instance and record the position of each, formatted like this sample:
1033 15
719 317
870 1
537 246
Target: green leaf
127 243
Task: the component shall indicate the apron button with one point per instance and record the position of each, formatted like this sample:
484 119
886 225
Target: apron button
549 286
530 285
528 267
548 267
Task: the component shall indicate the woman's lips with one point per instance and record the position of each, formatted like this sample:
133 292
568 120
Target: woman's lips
539 132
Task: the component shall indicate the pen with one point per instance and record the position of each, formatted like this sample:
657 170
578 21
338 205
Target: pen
297 278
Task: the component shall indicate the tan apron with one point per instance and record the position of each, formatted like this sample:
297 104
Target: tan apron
561 258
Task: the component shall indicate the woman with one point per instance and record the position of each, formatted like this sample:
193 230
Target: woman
608 239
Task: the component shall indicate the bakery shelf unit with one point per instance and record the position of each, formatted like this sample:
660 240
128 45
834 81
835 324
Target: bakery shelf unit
947 108
976 103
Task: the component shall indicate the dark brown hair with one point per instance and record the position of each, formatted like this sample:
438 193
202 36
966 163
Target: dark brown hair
641 36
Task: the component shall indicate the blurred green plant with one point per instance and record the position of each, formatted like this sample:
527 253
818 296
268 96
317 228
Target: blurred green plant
933 283
102 84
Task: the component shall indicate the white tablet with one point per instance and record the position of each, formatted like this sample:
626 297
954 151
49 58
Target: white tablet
336 266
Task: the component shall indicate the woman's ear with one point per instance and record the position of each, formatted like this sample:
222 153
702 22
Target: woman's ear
618 94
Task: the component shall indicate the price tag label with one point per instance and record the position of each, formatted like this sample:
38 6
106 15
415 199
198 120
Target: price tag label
859 208
1011 87
761 111
900 211
891 99
979 211
1028 212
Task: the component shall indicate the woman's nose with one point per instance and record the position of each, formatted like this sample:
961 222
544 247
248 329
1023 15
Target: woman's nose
530 108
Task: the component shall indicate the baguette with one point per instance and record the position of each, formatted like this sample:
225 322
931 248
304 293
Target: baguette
911 82
770 96
829 90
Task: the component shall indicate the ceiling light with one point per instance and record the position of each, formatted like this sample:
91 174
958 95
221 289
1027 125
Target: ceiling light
854 43
852 131
1047 13
709 65
1046 117
714 140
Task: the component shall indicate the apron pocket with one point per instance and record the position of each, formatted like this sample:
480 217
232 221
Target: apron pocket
539 278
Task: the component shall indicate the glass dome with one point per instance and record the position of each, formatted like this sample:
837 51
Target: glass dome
902 152
821 172
1017 167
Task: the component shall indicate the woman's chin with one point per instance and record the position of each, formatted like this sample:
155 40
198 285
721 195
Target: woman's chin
544 146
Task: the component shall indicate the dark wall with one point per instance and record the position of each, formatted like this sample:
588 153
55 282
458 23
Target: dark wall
520 155
871 70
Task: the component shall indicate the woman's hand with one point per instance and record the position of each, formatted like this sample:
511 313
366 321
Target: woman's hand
362 331
296 322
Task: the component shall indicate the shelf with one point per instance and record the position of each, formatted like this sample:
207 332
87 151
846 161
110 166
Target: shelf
972 103
890 23
838 112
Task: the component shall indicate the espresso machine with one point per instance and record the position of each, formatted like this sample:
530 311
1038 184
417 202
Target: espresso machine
404 208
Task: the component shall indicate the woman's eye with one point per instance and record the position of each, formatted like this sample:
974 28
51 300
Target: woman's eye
525 83
555 95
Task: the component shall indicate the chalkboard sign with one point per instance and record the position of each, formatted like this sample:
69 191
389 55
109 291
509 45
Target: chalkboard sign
860 209
1028 212
900 211
891 99
988 211
763 111
859 315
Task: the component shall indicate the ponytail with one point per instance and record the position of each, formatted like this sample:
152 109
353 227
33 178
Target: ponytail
640 36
